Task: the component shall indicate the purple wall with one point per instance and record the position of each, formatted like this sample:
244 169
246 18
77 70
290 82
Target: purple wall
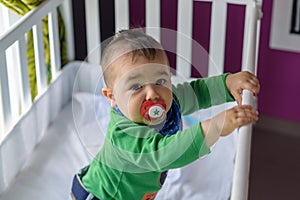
278 71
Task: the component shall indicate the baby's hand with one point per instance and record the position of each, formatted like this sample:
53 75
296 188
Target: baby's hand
237 82
224 123
235 117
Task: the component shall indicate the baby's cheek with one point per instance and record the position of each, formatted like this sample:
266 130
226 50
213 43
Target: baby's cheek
169 100
135 111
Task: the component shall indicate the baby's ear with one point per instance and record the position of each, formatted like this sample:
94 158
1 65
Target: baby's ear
108 93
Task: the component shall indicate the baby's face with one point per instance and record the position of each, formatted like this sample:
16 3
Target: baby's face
141 81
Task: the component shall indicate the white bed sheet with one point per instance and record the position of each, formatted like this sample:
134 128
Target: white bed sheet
49 170
75 136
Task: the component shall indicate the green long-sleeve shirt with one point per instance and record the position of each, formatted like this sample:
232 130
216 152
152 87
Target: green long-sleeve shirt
134 158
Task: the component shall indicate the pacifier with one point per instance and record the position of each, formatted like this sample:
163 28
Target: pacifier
153 111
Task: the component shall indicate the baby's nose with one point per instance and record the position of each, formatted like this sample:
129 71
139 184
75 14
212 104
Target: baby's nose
151 93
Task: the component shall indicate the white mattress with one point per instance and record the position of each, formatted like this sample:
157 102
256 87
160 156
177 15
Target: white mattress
75 135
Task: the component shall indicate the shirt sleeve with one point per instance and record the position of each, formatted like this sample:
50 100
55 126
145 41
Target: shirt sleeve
201 93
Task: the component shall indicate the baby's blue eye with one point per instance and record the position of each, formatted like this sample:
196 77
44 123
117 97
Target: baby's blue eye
136 87
161 81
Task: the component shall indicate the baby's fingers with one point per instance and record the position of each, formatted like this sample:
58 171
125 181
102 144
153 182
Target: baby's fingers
237 96
251 83
254 86
245 115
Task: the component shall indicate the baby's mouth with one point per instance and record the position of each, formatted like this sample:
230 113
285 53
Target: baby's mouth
155 112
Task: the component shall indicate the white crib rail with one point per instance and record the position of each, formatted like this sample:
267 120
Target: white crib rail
217 41
17 32
153 18
5 98
93 37
39 56
184 35
121 14
54 42
242 160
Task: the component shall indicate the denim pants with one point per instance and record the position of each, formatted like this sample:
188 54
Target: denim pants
78 191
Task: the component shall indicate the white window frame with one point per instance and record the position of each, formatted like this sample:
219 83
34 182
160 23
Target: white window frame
281 38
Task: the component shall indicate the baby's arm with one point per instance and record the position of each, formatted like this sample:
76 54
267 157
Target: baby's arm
224 123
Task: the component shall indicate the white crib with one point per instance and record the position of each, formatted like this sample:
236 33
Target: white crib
44 145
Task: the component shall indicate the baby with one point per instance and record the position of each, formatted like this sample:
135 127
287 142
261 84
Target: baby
145 137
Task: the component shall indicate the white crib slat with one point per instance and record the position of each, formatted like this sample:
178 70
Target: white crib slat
14 79
39 57
5 107
250 39
238 2
242 161
121 14
67 15
184 38
54 42
93 31
25 89
153 18
217 37
3 9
